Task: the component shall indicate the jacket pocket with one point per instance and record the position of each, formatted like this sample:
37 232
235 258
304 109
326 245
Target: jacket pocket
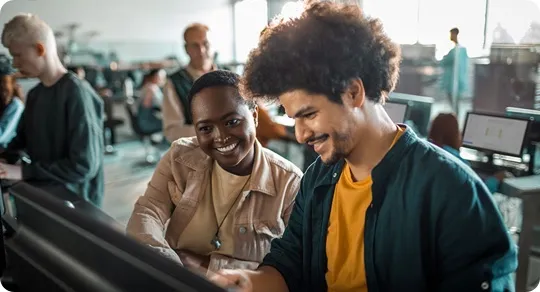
264 233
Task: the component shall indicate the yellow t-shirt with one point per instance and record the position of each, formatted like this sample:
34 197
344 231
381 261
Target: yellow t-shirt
345 238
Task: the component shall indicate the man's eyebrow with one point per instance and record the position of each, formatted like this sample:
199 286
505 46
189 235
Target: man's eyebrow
303 111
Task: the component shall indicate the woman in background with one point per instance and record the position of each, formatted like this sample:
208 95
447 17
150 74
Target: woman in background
151 99
11 105
445 134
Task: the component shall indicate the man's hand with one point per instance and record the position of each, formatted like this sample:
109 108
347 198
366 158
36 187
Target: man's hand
235 280
10 171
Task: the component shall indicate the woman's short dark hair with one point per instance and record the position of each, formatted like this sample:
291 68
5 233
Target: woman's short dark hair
324 49
445 131
218 78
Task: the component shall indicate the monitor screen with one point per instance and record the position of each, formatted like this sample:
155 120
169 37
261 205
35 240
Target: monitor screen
527 114
396 111
495 133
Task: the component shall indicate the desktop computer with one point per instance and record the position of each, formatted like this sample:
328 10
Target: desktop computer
495 134
396 111
533 135
53 244
418 111
499 141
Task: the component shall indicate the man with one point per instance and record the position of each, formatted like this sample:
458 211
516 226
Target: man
177 122
380 209
455 66
61 130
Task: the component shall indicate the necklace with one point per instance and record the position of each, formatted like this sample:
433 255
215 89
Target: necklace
216 242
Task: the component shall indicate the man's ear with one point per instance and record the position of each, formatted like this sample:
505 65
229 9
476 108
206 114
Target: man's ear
255 111
355 94
40 49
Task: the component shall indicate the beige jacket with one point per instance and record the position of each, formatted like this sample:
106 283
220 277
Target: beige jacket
178 185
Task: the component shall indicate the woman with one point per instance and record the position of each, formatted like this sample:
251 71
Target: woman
224 195
150 102
445 134
11 106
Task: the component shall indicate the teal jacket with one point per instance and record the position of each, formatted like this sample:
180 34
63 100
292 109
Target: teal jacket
457 54
491 182
9 120
432 226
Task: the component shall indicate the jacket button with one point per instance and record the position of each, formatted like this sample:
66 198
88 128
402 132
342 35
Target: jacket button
334 175
242 230
485 285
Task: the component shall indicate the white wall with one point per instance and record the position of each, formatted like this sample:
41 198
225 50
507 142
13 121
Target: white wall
135 28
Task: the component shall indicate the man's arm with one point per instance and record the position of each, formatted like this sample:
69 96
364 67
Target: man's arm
85 144
474 248
448 59
174 122
151 212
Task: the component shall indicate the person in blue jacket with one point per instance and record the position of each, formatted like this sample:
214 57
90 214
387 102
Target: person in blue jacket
445 133
11 106
455 69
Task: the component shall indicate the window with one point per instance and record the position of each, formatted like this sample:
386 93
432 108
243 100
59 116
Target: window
437 17
250 19
429 21
399 17
513 22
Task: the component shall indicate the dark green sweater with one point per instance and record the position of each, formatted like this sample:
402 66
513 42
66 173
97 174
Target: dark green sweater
61 131
432 226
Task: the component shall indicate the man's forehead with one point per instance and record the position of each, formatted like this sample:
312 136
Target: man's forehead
196 36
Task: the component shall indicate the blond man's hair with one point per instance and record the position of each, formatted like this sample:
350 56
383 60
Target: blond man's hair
27 29
195 27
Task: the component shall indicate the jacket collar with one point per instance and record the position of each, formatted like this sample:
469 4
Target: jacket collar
261 180
330 174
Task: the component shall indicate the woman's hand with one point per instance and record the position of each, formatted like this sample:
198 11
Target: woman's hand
233 280
194 261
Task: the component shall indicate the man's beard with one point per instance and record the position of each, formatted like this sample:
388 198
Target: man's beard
340 142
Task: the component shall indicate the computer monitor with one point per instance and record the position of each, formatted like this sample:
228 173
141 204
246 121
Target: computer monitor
530 114
418 110
396 111
496 134
55 245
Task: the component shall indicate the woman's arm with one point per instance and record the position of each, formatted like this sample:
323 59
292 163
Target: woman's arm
153 209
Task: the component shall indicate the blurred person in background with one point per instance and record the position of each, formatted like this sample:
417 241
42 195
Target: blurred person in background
177 120
61 129
11 105
150 101
455 66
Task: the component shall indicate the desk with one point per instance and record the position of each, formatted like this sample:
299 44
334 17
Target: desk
528 190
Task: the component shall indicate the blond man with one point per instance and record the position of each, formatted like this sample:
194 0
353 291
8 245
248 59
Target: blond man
177 121
61 130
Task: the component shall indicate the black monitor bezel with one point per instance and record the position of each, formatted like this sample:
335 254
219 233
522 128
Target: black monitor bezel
47 203
523 141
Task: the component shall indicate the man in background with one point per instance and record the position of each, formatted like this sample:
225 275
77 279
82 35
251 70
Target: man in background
455 70
61 130
177 122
